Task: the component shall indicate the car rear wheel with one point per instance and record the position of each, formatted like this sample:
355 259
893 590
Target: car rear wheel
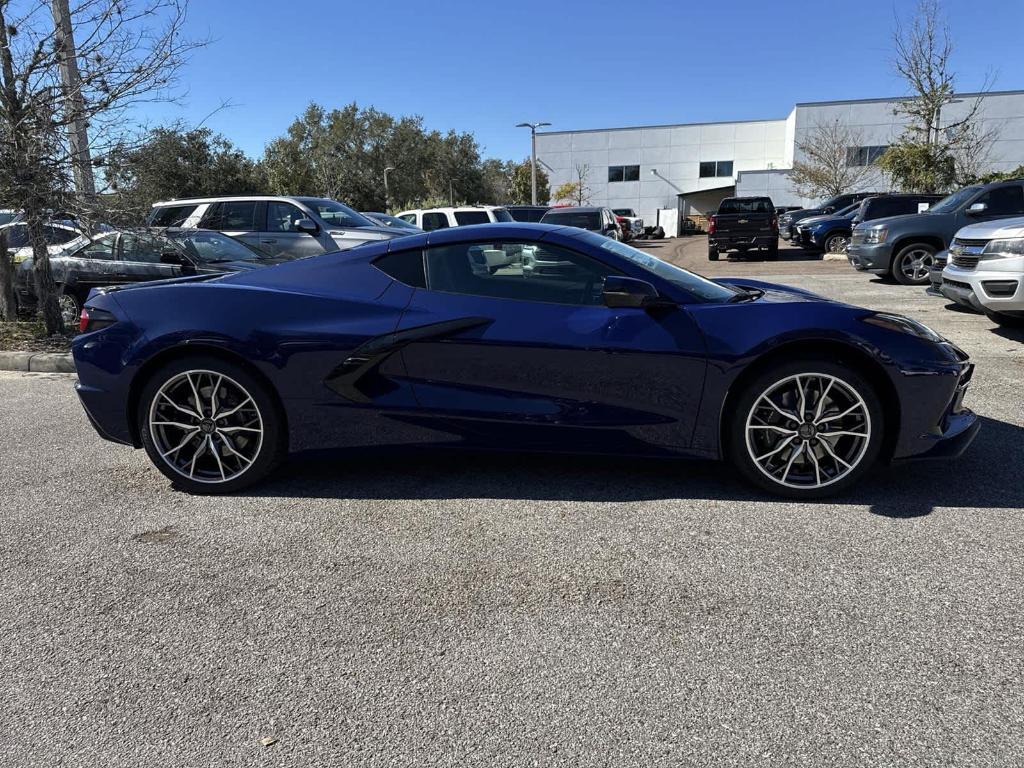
806 429
209 425
70 310
912 263
712 254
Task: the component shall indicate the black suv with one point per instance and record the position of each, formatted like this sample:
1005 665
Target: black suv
787 221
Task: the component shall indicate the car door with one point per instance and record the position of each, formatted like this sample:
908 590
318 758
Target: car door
92 265
243 219
141 258
1001 202
497 355
280 236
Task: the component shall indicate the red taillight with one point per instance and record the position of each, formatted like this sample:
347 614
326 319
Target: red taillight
83 321
92 319
711 225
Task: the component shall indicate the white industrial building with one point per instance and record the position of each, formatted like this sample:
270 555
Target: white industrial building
687 169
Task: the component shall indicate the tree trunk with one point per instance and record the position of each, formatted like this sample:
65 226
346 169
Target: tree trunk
8 308
46 289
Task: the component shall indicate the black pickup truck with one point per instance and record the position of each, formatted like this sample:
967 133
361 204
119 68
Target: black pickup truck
741 224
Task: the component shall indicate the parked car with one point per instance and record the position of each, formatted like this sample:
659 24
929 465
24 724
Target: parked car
905 246
405 343
833 204
594 219
57 236
635 225
742 224
431 219
811 232
387 220
289 227
135 256
528 213
985 270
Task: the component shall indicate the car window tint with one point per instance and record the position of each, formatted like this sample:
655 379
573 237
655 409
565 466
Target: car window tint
281 217
521 271
17 236
59 236
462 218
145 248
171 215
231 216
409 217
500 214
1003 201
569 218
101 248
432 221
405 266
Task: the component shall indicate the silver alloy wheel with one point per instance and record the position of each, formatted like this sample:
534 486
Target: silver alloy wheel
69 311
916 263
837 244
206 426
808 431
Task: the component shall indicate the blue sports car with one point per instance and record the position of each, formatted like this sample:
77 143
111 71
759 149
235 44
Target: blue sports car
513 336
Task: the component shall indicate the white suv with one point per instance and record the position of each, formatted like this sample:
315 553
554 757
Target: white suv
430 219
985 270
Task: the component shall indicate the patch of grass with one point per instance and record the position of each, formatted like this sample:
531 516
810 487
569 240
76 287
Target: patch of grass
30 336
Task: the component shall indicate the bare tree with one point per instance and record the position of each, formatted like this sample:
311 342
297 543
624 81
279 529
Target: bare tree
935 152
830 161
129 52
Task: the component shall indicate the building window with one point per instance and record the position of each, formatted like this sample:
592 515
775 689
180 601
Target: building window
860 156
623 173
711 169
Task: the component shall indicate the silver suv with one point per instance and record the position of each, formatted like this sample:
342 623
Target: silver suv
282 227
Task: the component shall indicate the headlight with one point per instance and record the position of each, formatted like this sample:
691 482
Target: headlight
873 236
1004 249
902 324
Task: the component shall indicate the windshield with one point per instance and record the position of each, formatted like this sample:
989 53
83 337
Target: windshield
954 201
391 221
691 282
336 214
206 247
848 211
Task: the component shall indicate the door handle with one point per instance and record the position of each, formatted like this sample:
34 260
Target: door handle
269 240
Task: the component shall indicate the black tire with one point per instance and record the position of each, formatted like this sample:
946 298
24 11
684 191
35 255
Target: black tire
903 261
1004 320
772 253
839 240
271 449
658 233
712 253
736 446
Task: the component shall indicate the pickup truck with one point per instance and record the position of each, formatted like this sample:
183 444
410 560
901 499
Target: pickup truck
743 223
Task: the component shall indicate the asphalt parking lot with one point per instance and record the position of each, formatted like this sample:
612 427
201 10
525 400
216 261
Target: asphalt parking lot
510 610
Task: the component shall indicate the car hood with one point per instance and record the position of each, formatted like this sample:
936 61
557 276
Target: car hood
993 230
904 218
811 221
773 292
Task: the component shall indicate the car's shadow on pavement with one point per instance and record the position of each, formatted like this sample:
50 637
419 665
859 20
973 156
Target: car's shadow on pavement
987 476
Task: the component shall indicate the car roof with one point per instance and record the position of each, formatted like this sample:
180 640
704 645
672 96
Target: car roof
577 209
453 209
233 198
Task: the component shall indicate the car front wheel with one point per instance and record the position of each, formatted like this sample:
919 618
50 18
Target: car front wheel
837 244
209 425
912 263
806 429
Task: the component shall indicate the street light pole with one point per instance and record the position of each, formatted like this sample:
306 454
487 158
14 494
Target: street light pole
533 155
387 195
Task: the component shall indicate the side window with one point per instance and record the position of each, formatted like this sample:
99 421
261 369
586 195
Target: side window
405 267
281 217
145 248
409 217
520 271
1004 201
231 216
17 236
171 215
462 218
102 248
432 221
58 236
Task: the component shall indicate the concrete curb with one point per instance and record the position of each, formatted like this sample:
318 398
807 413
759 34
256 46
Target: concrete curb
834 257
37 362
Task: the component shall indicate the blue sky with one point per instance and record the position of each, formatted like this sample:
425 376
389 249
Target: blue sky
483 66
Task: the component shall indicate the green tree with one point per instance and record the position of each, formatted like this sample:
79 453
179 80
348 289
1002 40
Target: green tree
173 162
521 190
920 167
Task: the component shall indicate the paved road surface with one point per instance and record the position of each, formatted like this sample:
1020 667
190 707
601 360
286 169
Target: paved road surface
506 611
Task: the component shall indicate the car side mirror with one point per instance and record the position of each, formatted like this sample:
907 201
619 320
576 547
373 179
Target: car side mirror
977 209
307 225
174 258
630 292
